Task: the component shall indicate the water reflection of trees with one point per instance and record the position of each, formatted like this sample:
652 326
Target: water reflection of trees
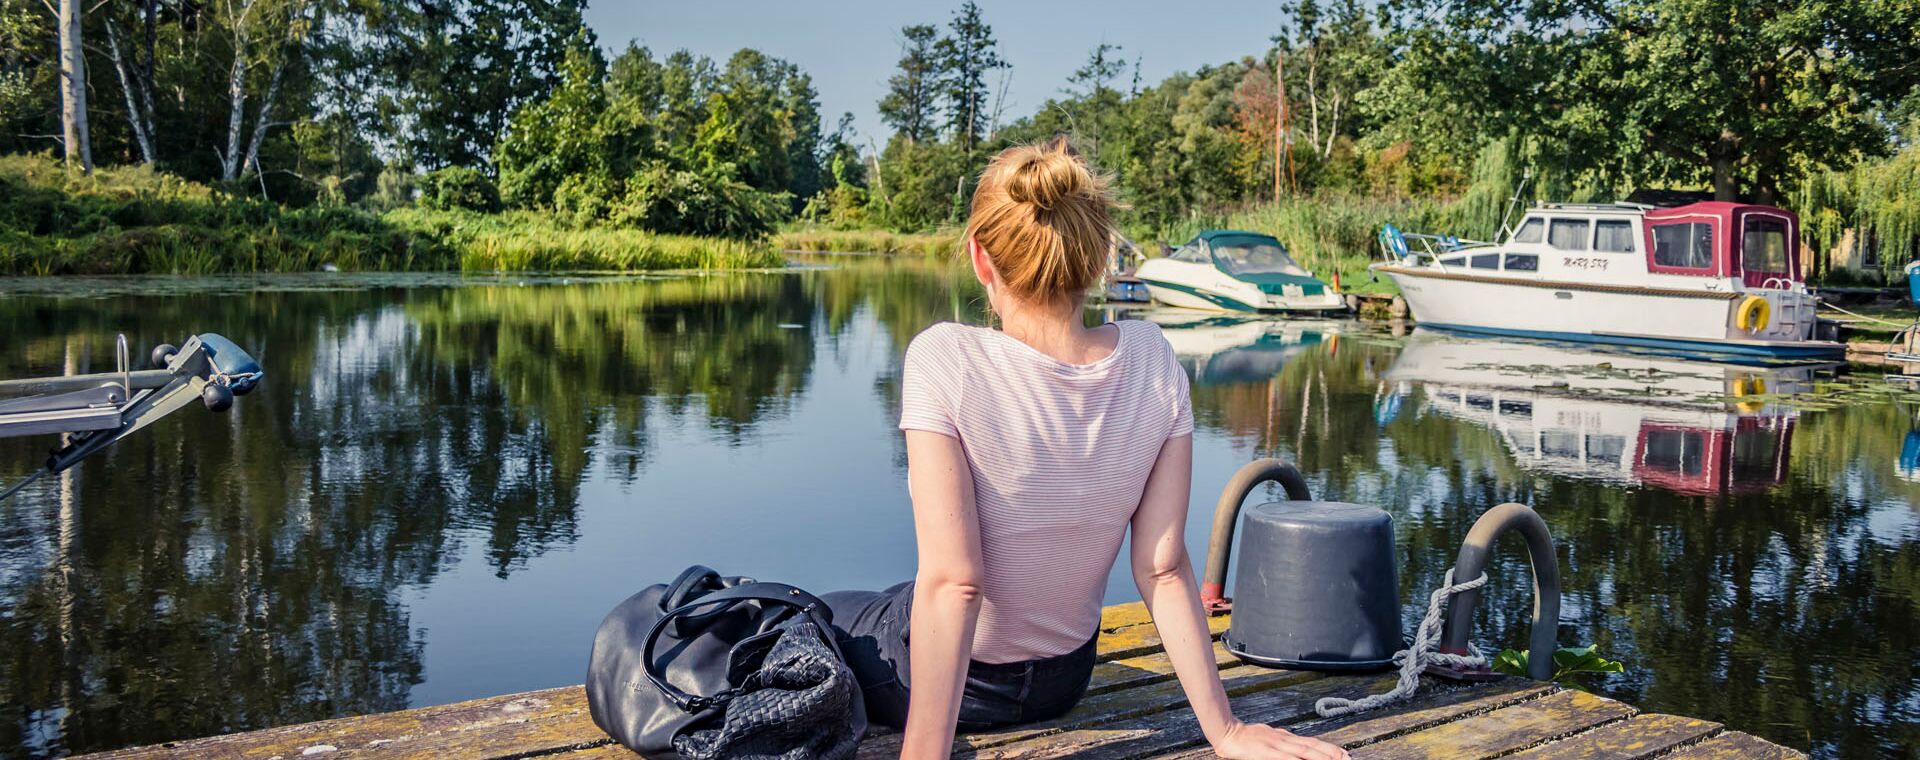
1782 612
227 572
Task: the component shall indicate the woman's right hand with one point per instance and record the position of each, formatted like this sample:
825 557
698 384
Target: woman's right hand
1258 741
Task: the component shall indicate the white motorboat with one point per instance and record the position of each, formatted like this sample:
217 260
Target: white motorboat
1710 276
1232 270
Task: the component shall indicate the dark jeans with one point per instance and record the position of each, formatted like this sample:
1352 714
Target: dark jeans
872 628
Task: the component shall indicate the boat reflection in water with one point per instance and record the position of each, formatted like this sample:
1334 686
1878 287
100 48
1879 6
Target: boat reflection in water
1688 427
1221 349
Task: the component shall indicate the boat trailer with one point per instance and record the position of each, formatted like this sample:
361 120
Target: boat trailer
95 411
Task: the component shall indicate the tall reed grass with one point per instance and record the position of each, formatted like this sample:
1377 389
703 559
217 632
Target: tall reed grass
825 240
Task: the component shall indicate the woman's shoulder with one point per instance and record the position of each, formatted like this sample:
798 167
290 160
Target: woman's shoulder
942 338
1144 333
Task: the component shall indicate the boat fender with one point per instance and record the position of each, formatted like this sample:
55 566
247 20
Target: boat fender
1753 314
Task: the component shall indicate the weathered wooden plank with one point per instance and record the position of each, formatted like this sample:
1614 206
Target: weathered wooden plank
1734 745
1128 672
1637 737
1502 731
1175 729
1432 706
553 720
548 718
1101 709
1127 630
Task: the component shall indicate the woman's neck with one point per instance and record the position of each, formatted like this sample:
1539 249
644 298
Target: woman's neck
1058 331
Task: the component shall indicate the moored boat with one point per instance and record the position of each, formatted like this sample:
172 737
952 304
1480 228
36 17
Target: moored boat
1711 276
1233 270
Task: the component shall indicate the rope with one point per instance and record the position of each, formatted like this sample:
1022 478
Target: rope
1415 658
1862 316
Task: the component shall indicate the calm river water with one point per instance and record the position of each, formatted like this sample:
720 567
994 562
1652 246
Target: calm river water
446 481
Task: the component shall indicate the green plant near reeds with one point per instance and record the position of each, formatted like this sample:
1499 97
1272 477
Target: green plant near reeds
825 240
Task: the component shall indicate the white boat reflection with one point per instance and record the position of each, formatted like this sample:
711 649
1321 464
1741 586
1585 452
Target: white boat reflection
1222 349
1689 427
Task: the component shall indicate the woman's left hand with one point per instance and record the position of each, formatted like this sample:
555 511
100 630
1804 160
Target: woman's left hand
1258 741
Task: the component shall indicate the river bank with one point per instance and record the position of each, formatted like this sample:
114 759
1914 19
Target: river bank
134 220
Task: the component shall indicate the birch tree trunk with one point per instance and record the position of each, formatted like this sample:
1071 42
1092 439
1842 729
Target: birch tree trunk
237 112
263 120
137 118
73 89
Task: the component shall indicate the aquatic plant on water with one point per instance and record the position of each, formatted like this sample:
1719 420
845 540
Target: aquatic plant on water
1569 663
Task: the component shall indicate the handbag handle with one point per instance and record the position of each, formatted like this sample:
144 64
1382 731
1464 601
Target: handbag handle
776 593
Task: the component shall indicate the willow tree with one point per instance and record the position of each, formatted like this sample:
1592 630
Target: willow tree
1740 94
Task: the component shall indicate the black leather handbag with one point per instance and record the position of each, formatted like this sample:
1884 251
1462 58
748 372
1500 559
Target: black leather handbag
711 668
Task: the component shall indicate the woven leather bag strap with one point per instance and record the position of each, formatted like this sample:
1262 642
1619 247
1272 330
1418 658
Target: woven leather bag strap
775 593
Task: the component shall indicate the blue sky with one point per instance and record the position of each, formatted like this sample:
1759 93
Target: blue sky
850 47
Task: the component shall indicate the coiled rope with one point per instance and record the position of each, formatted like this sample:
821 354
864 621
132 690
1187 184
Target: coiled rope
1415 658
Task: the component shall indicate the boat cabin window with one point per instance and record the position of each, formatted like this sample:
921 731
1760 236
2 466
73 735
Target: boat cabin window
1454 261
1688 245
1191 254
1529 231
1486 261
1523 262
1568 234
1613 236
1250 257
1763 244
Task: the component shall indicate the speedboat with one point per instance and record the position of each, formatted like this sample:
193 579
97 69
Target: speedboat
1710 276
1232 270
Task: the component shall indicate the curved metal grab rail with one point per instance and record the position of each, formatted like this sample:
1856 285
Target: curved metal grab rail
1226 516
1546 587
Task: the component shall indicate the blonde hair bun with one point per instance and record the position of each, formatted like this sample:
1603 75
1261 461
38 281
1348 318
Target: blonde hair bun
1041 215
1043 177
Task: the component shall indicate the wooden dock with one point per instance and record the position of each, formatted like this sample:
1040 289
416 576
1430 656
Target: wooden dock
1133 710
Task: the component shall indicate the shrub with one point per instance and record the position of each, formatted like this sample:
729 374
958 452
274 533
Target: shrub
459 187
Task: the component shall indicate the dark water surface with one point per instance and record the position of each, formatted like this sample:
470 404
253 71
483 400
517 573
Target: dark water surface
446 481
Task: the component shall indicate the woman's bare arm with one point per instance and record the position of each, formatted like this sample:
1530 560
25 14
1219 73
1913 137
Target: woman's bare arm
1164 574
946 594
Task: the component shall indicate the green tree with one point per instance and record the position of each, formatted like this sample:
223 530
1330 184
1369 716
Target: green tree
453 72
966 55
1740 94
912 93
558 137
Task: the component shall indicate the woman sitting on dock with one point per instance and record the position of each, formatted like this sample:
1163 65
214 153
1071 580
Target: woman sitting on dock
1031 451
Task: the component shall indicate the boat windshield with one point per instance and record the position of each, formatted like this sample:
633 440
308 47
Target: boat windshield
1253 257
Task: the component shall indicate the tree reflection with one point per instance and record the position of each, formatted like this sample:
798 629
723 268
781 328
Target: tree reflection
1781 609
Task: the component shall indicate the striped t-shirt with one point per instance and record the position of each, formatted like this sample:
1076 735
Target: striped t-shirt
1059 454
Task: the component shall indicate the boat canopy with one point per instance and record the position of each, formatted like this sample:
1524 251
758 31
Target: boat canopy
1756 243
1240 253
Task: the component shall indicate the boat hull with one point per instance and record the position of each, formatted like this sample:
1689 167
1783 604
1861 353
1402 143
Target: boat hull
1693 321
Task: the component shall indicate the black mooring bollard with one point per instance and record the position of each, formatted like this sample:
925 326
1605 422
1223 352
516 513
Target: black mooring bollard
1546 590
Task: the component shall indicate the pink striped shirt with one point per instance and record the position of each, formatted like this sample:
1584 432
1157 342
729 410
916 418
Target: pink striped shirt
1060 455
